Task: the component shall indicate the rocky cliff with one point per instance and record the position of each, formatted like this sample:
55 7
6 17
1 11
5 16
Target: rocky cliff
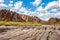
6 15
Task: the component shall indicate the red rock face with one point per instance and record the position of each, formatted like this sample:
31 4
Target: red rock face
7 15
53 20
58 19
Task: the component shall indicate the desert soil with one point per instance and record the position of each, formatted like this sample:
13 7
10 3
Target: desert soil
30 32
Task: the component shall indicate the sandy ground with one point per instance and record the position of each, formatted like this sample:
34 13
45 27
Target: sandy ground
30 32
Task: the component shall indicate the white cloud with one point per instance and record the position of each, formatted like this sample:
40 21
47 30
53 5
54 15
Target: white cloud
13 9
54 10
11 1
10 5
1 0
3 6
52 5
18 4
59 1
41 14
57 14
36 2
22 9
39 8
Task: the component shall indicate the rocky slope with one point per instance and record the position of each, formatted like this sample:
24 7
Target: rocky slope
53 20
7 15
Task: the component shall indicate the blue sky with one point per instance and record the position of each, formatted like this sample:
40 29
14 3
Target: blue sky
44 9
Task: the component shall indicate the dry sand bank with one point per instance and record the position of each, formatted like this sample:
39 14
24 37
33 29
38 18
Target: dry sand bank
29 33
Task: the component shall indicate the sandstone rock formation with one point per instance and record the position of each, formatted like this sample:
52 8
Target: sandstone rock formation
7 15
53 20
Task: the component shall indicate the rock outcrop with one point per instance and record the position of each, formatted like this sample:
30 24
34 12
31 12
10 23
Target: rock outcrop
53 20
7 15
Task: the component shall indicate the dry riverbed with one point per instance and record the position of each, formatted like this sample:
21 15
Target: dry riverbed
45 32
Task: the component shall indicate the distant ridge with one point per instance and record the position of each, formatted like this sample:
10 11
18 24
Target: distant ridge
7 15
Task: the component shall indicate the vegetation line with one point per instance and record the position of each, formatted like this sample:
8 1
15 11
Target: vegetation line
19 23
